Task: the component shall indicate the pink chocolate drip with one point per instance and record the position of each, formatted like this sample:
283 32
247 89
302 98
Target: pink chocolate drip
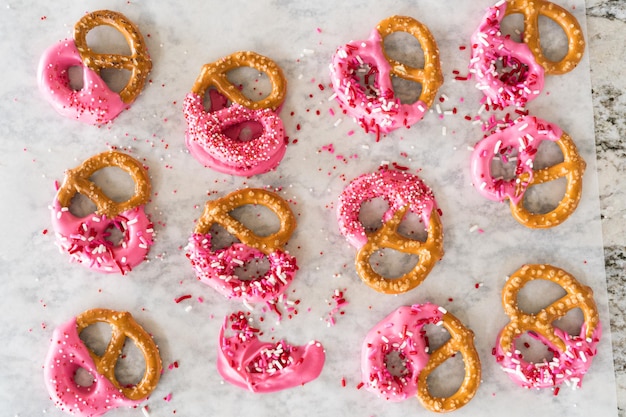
85 239
398 188
565 367
94 104
217 269
209 143
403 332
67 353
523 82
525 135
378 110
243 360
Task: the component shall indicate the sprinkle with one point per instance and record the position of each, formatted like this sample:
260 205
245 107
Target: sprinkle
181 298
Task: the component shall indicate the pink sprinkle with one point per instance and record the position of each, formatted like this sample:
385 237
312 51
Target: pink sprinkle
168 397
319 30
351 132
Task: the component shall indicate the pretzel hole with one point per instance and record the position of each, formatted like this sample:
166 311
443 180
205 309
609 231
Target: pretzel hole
244 131
504 163
75 77
554 40
115 79
510 70
371 213
253 269
213 101
512 26
258 218
532 349
397 364
115 183
131 365
115 233
105 39
366 77
546 197
571 322
392 264
82 206
83 378
96 337
220 238
538 294
253 84
412 227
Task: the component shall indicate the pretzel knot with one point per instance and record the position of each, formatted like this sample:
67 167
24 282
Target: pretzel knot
217 268
68 353
138 62
77 181
404 192
532 10
572 354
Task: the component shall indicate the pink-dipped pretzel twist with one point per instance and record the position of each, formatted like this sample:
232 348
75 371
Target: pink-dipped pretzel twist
68 353
380 111
216 268
85 238
573 354
404 192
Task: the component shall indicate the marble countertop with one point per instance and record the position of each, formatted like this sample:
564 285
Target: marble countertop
42 290
606 23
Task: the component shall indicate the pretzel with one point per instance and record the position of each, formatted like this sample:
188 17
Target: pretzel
84 239
214 138
217 268
526 134
378 109
572 354
532 9
95 103
245 361
524 79
68 353
403 332
404 192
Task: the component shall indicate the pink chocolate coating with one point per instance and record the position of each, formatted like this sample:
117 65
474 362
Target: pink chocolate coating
94 104
84 238
217 269
525 135
565 367
378 112
245 361
524 80
398 188
67 353
402 332
208 143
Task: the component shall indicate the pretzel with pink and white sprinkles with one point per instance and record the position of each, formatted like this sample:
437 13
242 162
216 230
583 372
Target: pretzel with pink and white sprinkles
404 192
217 268
377 109
85 239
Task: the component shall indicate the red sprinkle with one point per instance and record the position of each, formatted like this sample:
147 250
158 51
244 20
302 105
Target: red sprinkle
182 297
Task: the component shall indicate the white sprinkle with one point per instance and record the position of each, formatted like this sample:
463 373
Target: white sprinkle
442 310
443 130
338 122
144 410
473 228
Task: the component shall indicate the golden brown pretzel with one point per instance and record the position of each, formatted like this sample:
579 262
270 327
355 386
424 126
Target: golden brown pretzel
77 181
462 341
138 62
430 77
217 212
532 9
123 326
216 75
541 323
429 252
572 168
